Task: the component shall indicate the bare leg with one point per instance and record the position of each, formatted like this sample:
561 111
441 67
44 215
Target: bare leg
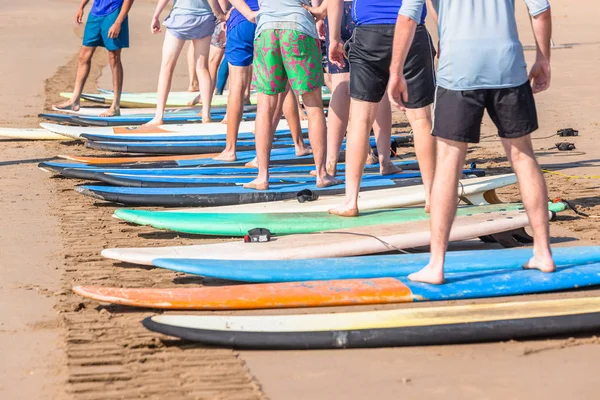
535 198
449 160
248 84
301 112
235 106
337 121
420 121
383 137
191 62
214 61
266 108
171 50
84 64
357 147
114 58
290 112
202 50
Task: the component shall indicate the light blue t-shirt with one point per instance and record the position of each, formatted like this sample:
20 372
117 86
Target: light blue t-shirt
285 14
479 42
191 7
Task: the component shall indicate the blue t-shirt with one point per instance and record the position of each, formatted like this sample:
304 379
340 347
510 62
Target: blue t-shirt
100 8
376 12
479 42
236 17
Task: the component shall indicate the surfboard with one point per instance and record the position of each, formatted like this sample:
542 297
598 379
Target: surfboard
30 134
148 99
131 119
216 195
458 286
279 224
409 326
180 129
133 159
340 243
476 191
370 267
96 111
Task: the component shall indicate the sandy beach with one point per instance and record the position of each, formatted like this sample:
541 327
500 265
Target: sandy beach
57 345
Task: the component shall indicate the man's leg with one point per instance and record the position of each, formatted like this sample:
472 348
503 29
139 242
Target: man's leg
267 105
235 107
171 50
420 121
84 63
337 119
383 135
290 112
214 61
450 158
194 85
357 147
534 192
202 49
114 58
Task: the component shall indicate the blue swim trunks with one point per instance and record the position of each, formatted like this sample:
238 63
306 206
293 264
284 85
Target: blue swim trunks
239 49
96 32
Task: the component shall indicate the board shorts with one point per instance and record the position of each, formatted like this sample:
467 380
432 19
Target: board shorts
96 32
458 113
346 33
219 37
370 57
239 49
190 27
282 55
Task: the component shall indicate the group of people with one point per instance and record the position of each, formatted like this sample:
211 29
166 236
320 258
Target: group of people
379 53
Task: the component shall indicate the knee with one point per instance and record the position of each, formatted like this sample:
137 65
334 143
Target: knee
84 57
114 58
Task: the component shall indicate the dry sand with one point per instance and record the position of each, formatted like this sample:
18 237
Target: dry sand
56 345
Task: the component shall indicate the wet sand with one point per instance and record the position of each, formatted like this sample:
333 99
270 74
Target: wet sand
57 345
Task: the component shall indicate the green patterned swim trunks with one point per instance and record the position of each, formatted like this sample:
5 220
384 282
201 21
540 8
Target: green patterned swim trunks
282 55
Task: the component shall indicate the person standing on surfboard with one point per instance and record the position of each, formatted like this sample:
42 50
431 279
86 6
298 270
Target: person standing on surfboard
287 55
189 20
107 27
369 57
482 67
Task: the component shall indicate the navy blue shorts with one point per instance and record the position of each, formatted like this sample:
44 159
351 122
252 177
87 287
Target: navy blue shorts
96 32
239 50
347 30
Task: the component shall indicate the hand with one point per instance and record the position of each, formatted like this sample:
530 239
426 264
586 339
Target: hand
539 76
321 30
337 55
398 91
155 25
221 18
318 13
114 30
252 17
79 16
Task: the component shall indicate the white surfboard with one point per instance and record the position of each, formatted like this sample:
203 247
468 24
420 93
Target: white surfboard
339 243
30 134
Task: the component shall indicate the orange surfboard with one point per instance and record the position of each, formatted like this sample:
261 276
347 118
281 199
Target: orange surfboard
258 296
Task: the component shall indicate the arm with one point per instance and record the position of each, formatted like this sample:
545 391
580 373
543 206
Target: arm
80 10
336 47
319 12
432 12
115 29
539 75
403 37
243 8
155 23
217 10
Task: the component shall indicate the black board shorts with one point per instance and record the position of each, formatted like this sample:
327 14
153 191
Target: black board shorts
370 56
458 113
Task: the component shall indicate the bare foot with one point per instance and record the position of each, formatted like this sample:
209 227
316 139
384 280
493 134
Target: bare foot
303 151
195 101
226 155
224 120
253 163
194 87
372 159
206 119
112 112
154 122
332 168
327 181
544 265
427 208
257 185
428 275
344 211
68 105
389 169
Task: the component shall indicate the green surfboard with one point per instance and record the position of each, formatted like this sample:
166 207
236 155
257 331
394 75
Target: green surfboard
222 224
